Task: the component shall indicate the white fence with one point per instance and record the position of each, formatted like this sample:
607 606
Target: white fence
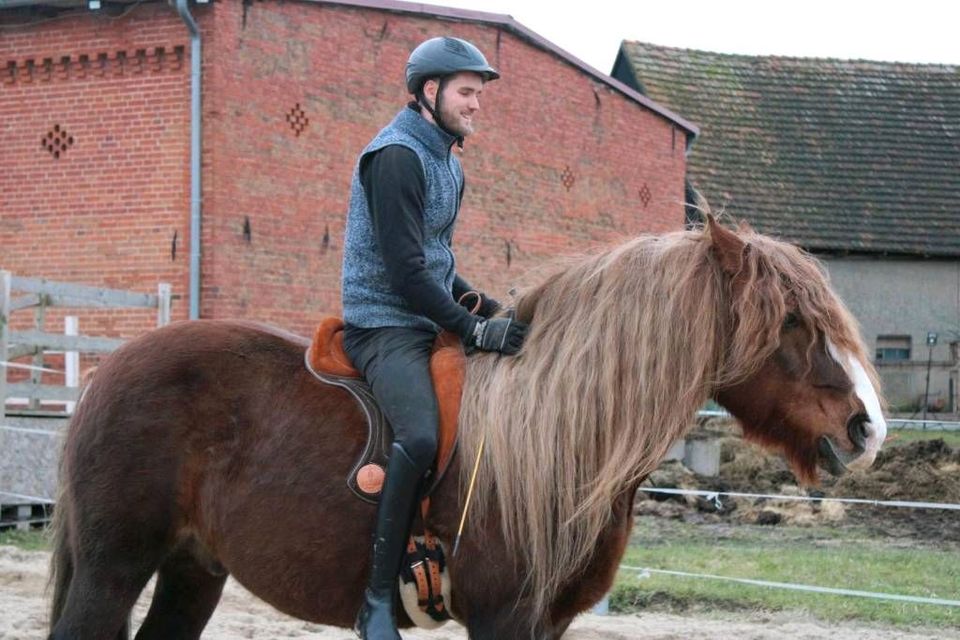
38 295
30 441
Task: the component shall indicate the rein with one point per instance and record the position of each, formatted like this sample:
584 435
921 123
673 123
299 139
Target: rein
483 438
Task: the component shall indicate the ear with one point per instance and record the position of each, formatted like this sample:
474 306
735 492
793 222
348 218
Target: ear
430 88
727 246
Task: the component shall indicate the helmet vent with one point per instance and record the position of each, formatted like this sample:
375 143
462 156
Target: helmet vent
56 141
455 46
297 119
567 178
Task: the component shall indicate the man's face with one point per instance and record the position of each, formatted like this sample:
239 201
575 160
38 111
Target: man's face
460 101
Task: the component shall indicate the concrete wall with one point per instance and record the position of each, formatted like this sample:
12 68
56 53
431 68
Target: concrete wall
891 296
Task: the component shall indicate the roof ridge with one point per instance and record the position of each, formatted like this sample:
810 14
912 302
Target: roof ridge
792 58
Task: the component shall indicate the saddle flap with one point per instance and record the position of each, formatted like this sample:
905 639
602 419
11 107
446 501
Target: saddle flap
447 369
326 354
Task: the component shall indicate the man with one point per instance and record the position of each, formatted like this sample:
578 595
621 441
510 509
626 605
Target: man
400 286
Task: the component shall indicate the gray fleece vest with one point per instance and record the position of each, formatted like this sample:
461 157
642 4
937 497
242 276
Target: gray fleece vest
368 299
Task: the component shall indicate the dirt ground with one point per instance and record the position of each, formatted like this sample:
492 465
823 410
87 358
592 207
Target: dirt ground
23 616
918 471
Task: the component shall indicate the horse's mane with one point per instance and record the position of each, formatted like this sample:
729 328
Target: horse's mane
624 347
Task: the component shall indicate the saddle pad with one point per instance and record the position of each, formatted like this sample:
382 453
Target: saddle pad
327 360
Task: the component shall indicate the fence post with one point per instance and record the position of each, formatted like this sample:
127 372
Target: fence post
36 375
71 359
4 334
163 303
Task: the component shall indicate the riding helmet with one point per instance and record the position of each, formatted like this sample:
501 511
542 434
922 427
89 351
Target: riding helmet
443 56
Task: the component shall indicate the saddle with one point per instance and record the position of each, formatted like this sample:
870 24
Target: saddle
327 360
424 583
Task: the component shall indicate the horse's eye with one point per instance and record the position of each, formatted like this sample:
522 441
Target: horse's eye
791 321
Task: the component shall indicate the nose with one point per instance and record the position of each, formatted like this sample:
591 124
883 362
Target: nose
859 430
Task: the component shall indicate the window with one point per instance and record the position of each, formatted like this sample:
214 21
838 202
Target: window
893 348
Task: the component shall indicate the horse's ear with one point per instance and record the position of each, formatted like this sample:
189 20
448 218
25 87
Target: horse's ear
727 246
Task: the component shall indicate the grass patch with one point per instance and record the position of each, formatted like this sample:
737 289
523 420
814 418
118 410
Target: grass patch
817 556
905 436
32 540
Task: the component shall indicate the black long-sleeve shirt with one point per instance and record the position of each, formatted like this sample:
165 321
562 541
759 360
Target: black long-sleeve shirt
395 187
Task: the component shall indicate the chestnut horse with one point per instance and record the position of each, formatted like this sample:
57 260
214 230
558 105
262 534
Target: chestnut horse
206 449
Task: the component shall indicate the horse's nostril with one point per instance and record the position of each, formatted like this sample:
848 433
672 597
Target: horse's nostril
858 430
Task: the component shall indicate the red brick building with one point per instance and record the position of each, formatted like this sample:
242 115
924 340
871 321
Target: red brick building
95 125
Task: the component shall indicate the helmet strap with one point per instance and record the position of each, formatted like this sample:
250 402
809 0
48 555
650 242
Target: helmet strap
435 110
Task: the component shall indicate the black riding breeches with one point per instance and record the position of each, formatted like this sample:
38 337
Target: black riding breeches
396 363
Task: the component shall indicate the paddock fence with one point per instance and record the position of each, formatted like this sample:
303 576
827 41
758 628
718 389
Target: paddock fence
33 410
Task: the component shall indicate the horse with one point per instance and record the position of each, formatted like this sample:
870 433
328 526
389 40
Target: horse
206 449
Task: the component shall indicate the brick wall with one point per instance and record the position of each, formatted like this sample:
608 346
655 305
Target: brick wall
343 69
560 162
94 133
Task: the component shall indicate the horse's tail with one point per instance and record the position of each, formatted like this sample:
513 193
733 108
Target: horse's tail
61 563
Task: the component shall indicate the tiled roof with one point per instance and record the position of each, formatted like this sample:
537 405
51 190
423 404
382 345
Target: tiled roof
834 155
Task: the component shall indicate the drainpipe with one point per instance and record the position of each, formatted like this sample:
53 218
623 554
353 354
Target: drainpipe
195 79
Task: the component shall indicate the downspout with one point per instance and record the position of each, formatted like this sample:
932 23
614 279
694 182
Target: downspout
195 81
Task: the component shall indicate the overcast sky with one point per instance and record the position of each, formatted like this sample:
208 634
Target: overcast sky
925 31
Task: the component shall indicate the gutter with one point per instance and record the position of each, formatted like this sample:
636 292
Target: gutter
195 121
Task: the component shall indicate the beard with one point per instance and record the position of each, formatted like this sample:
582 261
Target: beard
454 122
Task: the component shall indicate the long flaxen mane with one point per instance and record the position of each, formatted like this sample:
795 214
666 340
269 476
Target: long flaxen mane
624 347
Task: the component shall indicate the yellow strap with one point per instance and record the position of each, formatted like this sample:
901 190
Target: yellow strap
466 505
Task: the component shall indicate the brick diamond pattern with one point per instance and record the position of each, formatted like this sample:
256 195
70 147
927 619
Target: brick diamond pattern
645 195
567 178
298 119
57 141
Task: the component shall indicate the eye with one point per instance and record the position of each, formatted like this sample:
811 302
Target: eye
791 321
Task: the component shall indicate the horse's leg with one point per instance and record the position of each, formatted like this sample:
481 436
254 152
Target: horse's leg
186 594
100 599
113 554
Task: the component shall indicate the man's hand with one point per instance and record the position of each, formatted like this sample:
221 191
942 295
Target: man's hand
500 334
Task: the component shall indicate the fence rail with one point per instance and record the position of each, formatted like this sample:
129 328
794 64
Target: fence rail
39 294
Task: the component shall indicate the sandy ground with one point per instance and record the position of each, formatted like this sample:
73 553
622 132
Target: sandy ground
23 616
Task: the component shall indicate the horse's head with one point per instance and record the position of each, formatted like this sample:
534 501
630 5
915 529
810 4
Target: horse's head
794 367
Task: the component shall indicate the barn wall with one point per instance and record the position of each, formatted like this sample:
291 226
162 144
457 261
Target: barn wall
560 164
94 134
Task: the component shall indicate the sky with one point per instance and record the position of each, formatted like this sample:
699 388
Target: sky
924 31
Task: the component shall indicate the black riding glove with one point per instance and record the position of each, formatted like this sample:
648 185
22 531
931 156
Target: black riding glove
499 334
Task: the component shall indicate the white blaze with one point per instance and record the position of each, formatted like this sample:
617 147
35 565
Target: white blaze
877 425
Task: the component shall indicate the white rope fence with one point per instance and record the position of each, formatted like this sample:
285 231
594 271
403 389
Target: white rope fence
27 498
39 432
30 367
646 571
716 496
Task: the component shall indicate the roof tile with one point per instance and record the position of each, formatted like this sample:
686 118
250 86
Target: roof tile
834 155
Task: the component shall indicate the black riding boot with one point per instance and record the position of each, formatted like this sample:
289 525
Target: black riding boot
376 620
